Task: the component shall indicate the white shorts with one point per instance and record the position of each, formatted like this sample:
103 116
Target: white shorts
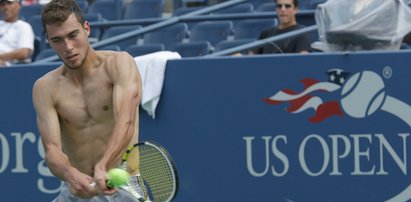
123 194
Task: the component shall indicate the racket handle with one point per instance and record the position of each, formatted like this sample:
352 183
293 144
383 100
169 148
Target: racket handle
93 184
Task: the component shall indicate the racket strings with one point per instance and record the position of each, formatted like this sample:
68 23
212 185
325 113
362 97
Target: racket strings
157 173
138 188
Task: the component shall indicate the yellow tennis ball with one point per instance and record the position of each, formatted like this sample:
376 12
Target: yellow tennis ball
117 177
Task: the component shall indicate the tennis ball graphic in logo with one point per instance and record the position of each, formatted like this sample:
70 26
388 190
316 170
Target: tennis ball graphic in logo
363 94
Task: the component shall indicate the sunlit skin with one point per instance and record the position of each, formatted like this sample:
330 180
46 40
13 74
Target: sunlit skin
286 16
10 11
70 40
86 109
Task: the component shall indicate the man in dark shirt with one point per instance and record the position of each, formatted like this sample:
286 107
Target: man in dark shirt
286 13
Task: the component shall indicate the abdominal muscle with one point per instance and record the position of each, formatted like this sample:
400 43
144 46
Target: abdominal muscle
85 147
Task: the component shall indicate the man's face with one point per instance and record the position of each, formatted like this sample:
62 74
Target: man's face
286 11
70 40
10 10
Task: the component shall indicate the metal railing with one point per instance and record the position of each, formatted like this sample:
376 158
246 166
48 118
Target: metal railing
152 24
263 42
163 23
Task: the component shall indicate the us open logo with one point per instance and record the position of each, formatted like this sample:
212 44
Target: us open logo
361 95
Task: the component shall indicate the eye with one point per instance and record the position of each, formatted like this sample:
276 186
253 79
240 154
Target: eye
72 36
55 40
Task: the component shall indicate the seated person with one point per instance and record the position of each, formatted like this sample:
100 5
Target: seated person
16 36
407 38
286 12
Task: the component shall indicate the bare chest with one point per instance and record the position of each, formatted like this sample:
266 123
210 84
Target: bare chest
81 106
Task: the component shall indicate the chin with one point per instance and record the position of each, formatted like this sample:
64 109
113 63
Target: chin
72 66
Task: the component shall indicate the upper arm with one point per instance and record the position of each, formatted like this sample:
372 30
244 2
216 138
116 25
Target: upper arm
46 115
127 86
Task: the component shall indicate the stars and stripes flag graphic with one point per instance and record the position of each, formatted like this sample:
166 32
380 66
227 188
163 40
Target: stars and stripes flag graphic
301 101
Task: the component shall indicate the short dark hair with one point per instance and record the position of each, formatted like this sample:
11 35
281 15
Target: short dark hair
295 2
58 11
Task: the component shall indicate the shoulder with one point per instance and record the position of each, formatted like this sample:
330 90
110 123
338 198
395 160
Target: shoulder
114 56
268 32
48 80
270 29
23 24
117 61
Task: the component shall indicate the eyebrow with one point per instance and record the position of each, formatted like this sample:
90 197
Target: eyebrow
58 37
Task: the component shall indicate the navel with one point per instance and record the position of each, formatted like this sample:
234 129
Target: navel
105 107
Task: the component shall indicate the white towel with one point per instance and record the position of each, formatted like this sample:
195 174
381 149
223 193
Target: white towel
152 69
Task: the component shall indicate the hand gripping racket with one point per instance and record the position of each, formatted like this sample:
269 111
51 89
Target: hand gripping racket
157 170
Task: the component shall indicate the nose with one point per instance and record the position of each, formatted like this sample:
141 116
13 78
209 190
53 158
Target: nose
68 45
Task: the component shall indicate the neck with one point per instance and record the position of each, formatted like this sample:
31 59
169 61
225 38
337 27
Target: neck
287 25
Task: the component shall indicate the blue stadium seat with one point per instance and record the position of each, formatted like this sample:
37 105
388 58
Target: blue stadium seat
83 4
45 53
306 18
28 11
138 50
192 49
95 31
309 4
109 9
139 9
251 28
37 47
239 8
184 10
266 7
169 35
40 38
257 3
36 25
232 43
211 31
110 47
189 3
115 31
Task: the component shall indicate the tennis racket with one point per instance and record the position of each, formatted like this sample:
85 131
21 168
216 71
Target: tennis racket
155 171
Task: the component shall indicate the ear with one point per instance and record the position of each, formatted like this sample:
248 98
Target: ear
86 26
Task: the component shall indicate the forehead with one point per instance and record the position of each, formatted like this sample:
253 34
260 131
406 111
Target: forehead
284 1
9 3
62 29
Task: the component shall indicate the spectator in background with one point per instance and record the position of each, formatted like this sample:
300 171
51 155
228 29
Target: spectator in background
16 36
407 38
286 14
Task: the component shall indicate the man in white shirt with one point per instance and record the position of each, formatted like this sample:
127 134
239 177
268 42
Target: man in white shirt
16 36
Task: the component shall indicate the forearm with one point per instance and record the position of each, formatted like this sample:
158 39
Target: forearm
58 163
121 137
20 54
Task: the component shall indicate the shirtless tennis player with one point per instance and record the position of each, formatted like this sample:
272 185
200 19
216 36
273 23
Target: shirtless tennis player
87 108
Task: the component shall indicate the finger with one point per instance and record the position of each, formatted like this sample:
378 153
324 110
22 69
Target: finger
110 191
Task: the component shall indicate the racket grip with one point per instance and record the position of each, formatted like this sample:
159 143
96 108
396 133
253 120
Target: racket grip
93 184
